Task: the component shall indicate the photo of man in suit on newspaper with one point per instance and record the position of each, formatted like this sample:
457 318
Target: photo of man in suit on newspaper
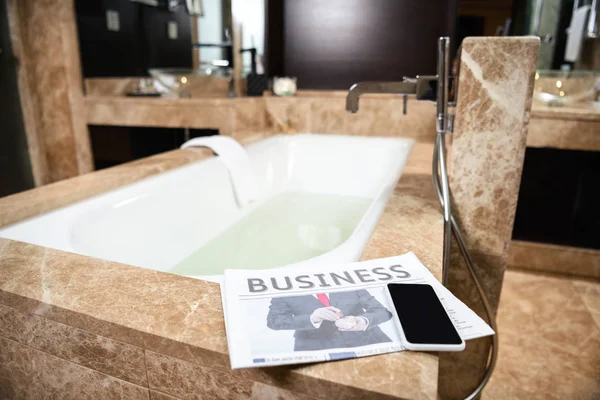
326 321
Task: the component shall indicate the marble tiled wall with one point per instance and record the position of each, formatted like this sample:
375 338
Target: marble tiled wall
44 40
31 374
41 358
488 147
379 116
326 113
244 117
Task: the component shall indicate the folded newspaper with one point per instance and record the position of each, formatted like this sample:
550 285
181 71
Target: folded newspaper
279 316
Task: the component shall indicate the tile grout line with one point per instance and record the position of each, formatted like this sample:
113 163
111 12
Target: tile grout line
71 362
147 377
70 327
67 325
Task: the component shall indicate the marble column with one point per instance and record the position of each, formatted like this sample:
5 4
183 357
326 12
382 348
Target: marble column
44 39
488 146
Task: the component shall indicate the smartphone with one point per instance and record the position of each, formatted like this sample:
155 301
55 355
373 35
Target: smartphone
423 321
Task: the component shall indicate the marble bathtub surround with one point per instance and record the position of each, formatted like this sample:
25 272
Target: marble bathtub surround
558 362
177 322
44 40
488 145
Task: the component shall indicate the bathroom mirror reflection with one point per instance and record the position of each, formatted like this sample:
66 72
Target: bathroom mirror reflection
568 30
212 39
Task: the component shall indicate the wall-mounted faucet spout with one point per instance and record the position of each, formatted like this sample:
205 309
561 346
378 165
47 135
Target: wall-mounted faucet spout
423 87
361 88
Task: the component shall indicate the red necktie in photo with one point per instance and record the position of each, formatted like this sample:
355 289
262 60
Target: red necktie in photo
323 299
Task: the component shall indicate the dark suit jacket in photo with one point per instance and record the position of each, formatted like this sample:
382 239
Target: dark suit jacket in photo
287 313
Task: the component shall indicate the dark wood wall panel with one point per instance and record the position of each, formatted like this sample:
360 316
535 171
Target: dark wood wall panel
335 43
114 145
160 50
559 198
108 53
140 43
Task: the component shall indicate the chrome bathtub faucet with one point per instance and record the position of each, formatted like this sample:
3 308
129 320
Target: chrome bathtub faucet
425 88
436 88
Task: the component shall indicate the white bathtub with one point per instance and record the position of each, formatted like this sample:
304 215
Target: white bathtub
320 197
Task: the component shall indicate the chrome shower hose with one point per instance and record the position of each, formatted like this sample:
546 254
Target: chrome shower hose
440 183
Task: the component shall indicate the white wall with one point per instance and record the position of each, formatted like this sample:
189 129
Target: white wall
251 13
210 30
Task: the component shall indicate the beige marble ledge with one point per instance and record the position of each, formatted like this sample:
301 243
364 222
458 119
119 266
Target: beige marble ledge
182 317
578 111
545 257
162 112
102 90
379 116
575 127
323 112
206 86
566 134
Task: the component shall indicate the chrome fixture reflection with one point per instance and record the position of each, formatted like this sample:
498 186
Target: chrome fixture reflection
195 8
592 27
537 19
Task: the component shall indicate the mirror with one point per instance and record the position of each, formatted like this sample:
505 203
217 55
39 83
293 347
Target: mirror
212 36
250 15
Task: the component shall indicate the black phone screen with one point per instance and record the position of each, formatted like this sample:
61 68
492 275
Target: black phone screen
424 320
